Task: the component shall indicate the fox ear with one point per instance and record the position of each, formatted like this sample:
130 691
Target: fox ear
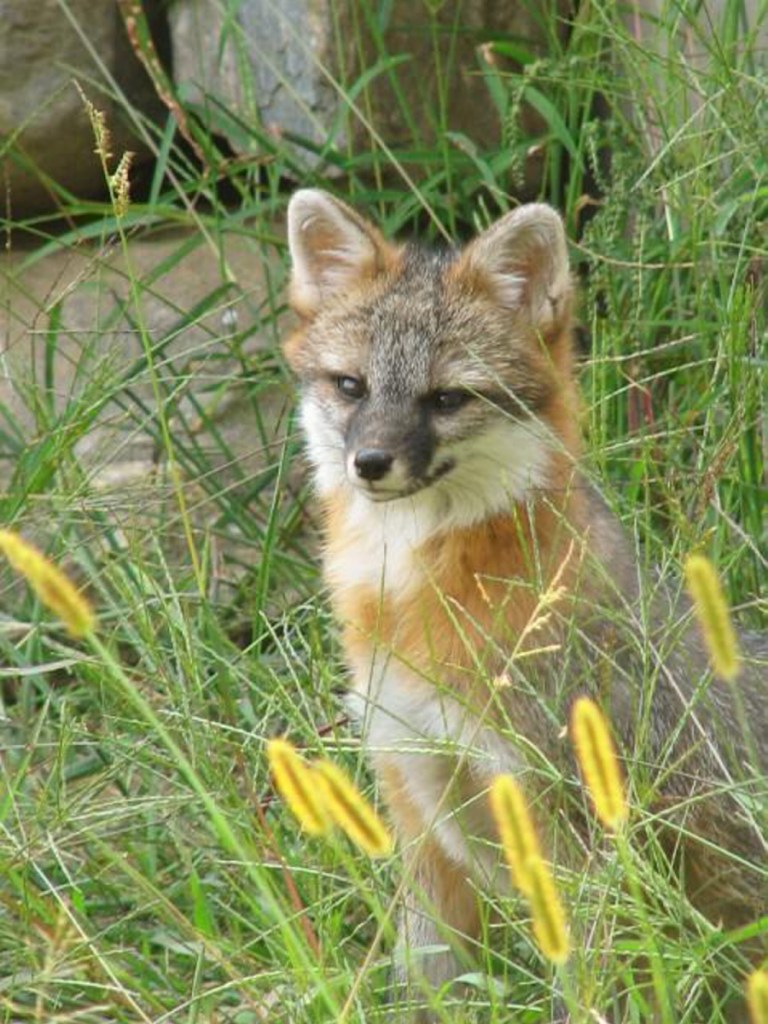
331 248
523 259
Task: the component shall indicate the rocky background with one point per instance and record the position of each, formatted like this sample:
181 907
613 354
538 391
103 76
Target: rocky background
248 71
249 67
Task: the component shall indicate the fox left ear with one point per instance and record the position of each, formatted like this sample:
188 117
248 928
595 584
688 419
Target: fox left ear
523 260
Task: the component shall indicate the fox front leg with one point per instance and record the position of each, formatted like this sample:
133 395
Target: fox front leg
439 922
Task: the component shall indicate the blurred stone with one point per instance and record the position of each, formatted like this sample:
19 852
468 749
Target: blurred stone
45 133
362 77
443 76
256 66
80 397
275 65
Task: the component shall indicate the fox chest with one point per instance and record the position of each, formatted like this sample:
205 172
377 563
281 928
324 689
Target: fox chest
434 756
417 690
374 548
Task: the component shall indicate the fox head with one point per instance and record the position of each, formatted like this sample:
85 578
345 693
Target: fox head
426 370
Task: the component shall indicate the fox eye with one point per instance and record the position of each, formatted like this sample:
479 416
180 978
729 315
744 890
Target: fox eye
351 387
450 401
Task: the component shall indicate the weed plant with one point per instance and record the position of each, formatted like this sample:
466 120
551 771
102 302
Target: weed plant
148 872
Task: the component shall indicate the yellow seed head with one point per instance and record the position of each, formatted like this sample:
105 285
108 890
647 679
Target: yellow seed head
516 829
713 615
53 588
351 811
757 996
101 135
599 765
549 927
296 784
121 185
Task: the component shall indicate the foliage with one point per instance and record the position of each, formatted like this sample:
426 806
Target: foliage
147 872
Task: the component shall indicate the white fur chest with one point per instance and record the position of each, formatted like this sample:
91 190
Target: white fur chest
445 756
377 546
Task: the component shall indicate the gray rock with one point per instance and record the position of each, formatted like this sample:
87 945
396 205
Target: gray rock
80 405
260 61
289 68
45 134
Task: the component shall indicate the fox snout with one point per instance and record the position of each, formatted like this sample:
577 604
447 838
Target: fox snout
381 475
377 473
372 464
389 458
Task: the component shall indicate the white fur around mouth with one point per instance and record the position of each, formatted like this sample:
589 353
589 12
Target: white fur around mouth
381 494
386 528
380 497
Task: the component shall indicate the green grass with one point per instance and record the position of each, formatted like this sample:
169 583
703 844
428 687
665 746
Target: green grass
147 873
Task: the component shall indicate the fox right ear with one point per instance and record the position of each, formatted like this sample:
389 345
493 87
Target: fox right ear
331 248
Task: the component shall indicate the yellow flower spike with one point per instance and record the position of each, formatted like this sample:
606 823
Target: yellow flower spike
599 765
714 617
52 587
515 827
757 997
549 927
296 784
121 185
351 811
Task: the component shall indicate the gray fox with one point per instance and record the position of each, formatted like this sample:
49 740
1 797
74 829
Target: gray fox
480 582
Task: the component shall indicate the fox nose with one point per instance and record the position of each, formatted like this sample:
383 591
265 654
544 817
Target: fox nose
372 463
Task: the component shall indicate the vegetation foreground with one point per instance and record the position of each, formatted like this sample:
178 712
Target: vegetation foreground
149 869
